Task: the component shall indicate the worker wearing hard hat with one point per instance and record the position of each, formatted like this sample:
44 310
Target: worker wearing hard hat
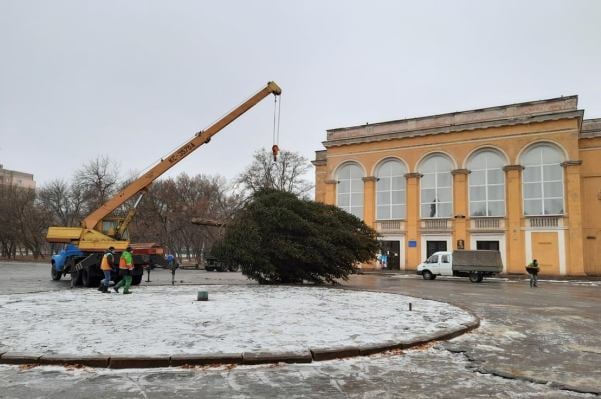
126 266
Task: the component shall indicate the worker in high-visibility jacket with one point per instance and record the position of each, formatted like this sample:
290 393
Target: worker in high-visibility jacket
108 261
126 267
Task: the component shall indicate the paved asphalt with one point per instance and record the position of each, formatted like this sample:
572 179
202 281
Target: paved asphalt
533 343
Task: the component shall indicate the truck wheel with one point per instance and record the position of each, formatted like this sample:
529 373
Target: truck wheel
476 277
137 279
427 275
75 278
56 275
88 277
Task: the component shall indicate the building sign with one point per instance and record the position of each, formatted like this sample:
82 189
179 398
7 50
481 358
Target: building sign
412 243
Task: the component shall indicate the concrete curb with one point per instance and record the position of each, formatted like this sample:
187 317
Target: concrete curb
248 358
203 359
138 362
320 354
89 361
277 357
19 358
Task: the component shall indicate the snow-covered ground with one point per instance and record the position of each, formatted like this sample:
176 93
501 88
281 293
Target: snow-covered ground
169 320
431 373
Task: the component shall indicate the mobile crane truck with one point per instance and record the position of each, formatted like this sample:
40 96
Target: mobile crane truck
87 244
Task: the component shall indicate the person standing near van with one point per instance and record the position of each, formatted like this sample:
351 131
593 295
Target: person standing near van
533 269
107 264
126 266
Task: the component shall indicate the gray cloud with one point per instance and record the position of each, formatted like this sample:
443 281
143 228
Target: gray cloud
132 79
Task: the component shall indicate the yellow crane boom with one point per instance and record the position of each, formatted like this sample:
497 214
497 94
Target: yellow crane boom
90 238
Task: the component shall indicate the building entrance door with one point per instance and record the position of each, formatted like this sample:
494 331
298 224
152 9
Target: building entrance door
435 246
392 250
490 245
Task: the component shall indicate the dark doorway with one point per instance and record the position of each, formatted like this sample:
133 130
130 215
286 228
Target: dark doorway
392 250
435 246
490 245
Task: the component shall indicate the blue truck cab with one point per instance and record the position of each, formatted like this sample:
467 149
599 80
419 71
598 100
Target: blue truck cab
59 260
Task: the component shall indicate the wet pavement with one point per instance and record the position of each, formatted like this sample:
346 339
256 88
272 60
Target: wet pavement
533 343
548 334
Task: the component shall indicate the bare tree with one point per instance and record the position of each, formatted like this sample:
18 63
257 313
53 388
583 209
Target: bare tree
9 231
97 180
285 174
64 201
23 220
165 213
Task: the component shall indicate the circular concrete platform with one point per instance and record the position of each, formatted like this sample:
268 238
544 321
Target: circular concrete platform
167 326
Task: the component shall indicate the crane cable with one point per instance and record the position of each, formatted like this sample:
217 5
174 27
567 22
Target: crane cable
277 108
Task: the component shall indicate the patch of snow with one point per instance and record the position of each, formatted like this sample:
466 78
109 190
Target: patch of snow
169 320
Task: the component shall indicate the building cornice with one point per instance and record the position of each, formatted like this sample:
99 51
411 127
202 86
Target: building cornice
591 128
393 130
460 172
571 163
507 168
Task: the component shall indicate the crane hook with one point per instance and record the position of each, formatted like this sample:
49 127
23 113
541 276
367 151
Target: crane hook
275 151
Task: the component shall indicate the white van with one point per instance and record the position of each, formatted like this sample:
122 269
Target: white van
462 263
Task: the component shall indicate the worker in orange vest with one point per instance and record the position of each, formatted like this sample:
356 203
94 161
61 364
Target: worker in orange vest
107 266
126 267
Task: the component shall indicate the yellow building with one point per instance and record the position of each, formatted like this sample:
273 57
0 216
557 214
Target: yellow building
522 178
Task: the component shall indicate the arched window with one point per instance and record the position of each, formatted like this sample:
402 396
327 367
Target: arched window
436 187
390 190
487 184
349 194
543 180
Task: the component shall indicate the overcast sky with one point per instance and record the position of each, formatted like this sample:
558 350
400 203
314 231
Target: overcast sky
133 79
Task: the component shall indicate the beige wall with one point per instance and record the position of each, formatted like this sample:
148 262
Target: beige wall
591 199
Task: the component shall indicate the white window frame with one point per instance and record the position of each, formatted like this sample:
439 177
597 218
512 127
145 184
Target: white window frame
358 182
542 182
403 190
436 187
486 185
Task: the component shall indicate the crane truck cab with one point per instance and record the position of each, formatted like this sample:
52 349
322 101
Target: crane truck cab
59 262
462 263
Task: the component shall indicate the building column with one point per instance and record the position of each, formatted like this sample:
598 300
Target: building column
513 203
412 257
460 208
573 201
330 194
369 201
